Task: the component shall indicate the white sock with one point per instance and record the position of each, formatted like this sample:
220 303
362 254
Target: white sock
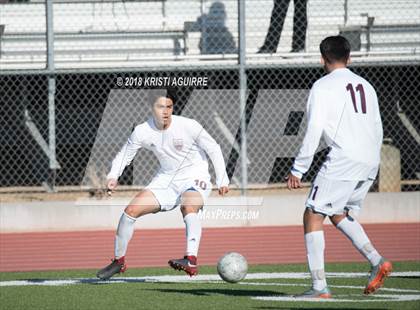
193 232
354 231
124 233
315 245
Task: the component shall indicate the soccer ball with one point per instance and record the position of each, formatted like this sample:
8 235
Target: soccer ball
232 267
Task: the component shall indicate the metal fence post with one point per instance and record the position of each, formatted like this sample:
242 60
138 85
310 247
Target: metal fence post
53 165
346 12
242 93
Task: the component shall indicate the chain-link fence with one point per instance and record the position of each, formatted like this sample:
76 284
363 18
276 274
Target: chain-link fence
66 110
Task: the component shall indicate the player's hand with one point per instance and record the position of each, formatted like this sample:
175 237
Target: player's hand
223 190
111 186
293 181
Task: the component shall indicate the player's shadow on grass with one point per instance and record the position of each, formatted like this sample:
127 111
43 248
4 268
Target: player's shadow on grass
36 280
92 281
298 306
406 277
227 292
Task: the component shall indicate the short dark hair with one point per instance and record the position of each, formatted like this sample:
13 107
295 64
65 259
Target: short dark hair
169 93
335 49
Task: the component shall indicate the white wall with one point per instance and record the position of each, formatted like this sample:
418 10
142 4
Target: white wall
273 210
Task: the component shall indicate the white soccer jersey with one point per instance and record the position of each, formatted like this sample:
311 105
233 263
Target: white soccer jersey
181 150
343 109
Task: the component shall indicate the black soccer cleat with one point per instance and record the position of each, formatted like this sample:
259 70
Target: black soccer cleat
187 264
116 266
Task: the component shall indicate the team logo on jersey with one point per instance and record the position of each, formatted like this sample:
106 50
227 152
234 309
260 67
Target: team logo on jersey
178 144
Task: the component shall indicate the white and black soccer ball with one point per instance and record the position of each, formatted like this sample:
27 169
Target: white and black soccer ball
232 267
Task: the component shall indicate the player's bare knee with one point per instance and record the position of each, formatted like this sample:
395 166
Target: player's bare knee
309 216
312 221
337 218
334 220
132 210
187 209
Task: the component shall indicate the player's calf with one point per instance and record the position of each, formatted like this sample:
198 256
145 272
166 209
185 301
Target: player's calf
187 264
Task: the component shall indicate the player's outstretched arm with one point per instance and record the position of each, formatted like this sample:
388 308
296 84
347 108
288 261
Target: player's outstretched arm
316 123
213 150
124 157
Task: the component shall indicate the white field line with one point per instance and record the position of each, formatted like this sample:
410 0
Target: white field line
199 278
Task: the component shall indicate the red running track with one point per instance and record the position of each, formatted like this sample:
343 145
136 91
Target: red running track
260 245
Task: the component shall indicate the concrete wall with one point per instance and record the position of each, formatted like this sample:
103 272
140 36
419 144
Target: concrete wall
270 210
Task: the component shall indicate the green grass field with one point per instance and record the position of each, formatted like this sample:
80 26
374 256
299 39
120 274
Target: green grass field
162 288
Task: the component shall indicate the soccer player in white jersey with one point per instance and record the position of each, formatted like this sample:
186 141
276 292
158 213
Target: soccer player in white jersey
343 109
181 146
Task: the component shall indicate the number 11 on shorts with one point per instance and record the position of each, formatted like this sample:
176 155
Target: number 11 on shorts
314 191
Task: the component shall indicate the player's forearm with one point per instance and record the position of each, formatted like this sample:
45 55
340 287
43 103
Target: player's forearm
218 162
123 159
307 151
316 122
301 166
117 168
213 150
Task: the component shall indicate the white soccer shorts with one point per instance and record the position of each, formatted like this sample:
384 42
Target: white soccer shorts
331 197
168 190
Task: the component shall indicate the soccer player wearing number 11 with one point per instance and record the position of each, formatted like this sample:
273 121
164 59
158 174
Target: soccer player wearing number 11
181 146
343 109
